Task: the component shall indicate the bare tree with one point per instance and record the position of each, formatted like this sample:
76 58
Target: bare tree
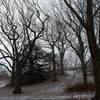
80 50
62 45
70 27
88 25
51 37
26 30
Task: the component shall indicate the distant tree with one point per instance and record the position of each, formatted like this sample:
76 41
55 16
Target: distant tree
62 45
36 66
51 37
71 35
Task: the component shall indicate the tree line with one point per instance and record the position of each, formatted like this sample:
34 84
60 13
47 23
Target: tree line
64 25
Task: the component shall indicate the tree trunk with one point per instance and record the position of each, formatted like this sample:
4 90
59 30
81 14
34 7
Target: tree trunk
17 86
12 79
61 63
94 50
54 67
96 64
84 71
95 54
82 59
99 28
54 73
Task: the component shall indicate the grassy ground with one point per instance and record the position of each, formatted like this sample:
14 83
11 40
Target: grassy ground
47 90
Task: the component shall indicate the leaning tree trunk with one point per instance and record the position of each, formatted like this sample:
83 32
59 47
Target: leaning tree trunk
17 85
